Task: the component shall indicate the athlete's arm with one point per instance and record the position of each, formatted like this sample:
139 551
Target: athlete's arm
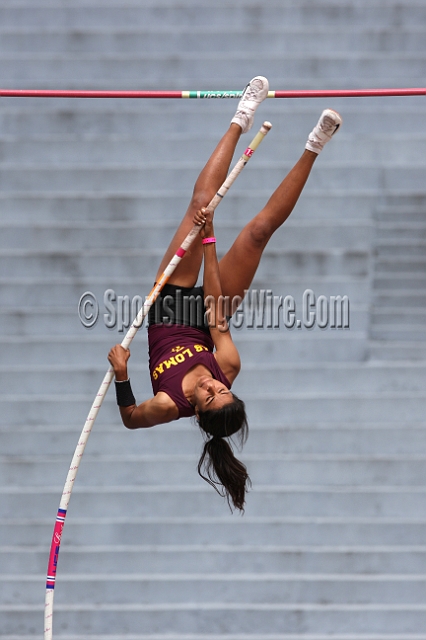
226 354
156 410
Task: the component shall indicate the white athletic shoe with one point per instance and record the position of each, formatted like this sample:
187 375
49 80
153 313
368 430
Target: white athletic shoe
326 127
254 93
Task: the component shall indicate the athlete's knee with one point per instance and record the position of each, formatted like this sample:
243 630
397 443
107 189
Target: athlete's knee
260 231
201 198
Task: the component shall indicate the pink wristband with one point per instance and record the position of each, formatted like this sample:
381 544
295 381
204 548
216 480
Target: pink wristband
209 240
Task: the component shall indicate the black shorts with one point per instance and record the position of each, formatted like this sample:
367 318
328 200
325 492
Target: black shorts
180 305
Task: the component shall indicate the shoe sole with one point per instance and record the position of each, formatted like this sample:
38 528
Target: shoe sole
332 114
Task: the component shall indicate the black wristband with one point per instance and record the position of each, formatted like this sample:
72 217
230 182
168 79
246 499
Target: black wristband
124 393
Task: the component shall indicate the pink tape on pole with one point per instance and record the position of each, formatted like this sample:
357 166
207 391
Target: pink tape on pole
180 252
54 549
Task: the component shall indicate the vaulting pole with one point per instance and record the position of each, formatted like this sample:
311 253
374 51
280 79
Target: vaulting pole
137 323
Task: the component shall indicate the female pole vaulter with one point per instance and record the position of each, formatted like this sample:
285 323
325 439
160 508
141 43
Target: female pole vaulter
193 360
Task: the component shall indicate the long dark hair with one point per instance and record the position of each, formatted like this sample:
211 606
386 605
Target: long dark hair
221 468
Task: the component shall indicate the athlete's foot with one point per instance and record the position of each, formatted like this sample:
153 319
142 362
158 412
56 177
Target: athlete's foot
324 130
254 93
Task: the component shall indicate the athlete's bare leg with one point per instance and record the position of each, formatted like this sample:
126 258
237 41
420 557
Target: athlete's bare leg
238 266
209 181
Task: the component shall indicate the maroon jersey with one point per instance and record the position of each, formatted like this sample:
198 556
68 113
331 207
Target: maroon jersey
173 351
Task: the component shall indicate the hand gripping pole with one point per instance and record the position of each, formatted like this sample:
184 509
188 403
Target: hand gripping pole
137 323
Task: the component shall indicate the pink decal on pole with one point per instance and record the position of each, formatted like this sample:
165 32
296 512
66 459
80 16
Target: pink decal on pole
248 152
54 549
180 252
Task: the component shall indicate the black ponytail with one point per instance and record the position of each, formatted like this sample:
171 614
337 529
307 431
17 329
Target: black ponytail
227 475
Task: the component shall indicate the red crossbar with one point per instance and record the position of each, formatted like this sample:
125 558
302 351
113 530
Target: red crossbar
346 93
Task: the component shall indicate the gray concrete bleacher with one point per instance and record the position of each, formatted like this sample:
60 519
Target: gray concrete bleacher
332 544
